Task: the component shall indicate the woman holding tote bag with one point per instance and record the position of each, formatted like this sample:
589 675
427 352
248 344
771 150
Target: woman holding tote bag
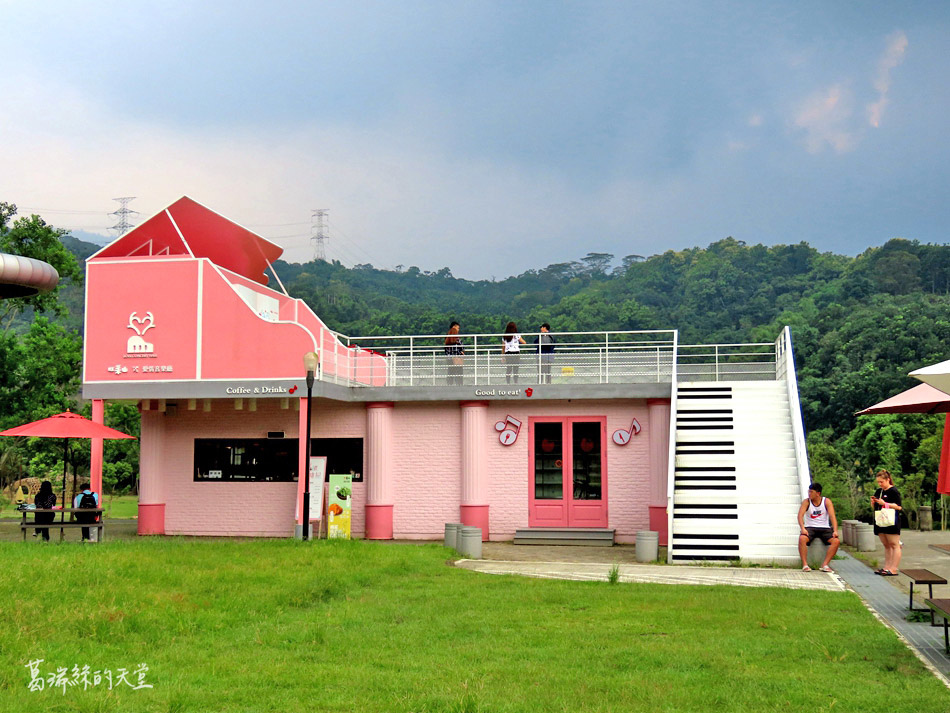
886 502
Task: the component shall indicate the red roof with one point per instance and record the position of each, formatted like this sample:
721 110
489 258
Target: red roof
188 228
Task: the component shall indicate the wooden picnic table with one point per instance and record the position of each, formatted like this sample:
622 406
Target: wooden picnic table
62 524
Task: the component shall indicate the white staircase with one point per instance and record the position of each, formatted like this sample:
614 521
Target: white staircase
736 490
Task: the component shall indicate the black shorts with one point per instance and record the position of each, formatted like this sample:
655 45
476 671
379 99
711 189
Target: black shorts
822 533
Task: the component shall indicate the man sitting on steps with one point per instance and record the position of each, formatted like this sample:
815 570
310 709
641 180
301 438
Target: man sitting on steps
816 518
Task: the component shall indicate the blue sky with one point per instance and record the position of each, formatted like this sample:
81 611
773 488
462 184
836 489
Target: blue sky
489 137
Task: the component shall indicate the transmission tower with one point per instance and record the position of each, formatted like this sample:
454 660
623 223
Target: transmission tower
123 215
319 234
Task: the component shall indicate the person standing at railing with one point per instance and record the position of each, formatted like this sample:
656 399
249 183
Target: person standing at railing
455 354
511 356
545 344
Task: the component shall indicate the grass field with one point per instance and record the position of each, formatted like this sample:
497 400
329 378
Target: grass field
117 507
356 626
120 507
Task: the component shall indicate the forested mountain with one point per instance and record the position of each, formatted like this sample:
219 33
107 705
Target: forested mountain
859 324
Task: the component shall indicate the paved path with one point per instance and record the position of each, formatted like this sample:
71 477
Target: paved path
663 574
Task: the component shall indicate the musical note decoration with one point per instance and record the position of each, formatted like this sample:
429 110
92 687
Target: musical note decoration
622 437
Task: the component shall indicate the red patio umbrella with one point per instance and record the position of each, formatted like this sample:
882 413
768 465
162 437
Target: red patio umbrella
65 425
923 398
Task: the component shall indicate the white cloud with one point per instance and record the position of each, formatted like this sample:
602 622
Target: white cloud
892 57
824 118
396 199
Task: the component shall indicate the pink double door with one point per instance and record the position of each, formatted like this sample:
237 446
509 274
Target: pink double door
568 472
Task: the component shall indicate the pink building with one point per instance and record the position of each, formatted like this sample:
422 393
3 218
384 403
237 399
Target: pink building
615 431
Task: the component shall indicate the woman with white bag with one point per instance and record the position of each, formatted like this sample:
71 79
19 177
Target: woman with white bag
886 502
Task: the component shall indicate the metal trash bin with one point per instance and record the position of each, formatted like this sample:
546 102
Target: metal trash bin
451 534
647 545
470 542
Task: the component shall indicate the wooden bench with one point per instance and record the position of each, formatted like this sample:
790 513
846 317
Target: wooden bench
941 607
62 525
922 576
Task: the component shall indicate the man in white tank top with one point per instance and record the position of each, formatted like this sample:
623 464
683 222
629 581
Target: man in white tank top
816 518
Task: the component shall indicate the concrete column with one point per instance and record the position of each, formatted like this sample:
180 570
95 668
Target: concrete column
658 432
379 479
473 509
95 464
151 493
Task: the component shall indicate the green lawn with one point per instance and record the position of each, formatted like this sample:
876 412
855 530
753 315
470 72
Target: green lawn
356 626
117 507
120 507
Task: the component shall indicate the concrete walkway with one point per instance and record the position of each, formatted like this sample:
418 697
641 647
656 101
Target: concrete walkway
886 597
663 574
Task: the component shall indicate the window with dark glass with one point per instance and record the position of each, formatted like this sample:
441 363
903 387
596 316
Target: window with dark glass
548 461
585 448
272 459
246 459
344 455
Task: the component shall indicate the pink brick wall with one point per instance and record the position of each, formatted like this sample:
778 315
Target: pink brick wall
427 452
260 509
628 467
426 467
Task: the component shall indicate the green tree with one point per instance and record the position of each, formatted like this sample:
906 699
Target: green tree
32 237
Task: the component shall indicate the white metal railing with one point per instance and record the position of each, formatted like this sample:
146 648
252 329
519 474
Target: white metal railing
609 357
671 461
754 361
783 348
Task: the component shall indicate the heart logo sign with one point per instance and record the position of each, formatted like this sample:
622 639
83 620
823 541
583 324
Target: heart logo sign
528 392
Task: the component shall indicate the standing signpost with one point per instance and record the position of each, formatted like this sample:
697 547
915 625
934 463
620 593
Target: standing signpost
338 506
313 492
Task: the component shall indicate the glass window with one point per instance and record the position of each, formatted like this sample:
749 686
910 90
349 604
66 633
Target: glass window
585 445
548 461
272 459
246 459
344 455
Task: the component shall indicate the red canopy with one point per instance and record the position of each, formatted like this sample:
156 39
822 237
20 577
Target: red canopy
923 398
65 425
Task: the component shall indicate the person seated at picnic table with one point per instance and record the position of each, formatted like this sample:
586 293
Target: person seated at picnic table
816 518
45 499
86 498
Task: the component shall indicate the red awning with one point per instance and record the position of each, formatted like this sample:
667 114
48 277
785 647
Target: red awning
65 425
922 398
